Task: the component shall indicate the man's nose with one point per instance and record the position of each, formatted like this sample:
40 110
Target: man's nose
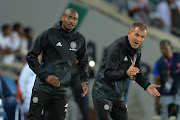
139 39
71 20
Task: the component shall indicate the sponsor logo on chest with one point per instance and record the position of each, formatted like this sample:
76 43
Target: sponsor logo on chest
125 58
59 44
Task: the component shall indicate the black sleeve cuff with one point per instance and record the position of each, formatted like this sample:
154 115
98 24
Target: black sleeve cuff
146 85
125 73
84 79
43 76
142 81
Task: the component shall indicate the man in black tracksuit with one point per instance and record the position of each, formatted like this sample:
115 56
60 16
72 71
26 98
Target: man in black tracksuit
121 60
59 45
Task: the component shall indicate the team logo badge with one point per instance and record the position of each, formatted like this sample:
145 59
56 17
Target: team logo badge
73 46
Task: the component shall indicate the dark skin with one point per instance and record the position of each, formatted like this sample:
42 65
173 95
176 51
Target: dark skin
83 84
69 21
53 80
166 51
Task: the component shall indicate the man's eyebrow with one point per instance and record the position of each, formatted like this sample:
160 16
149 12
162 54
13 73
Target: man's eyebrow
142 36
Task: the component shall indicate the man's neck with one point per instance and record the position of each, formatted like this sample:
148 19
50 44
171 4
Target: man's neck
169 56
65 29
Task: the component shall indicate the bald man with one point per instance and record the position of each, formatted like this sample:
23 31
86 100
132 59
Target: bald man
59 45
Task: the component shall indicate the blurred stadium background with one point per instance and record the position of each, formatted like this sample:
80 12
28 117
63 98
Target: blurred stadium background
101 23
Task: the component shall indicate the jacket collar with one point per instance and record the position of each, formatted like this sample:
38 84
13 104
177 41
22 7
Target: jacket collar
62 31
126 44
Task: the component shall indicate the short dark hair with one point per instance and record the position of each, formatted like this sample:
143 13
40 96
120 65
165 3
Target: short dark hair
141 25
27 29
165 42
16 26
5 26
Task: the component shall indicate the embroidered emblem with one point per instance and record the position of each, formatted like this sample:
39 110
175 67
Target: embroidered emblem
73 46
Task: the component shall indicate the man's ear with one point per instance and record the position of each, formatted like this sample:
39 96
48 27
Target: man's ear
129 32
77 23
62 18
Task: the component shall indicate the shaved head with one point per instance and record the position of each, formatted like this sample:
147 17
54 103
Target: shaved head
69 19
70 10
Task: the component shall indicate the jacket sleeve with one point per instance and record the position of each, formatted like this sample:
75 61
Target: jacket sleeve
140 78
82 58
112 73
32 56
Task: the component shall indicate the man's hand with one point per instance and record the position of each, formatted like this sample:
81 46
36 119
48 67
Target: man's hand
151 89
53 80
132 71
85 88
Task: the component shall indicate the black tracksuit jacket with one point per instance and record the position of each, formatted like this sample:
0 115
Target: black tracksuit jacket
58 49
112 75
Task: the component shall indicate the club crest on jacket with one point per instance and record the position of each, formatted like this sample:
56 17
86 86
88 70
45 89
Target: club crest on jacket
73 46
